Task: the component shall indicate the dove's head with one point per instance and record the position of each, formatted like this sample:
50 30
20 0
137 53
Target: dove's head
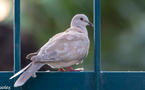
80 20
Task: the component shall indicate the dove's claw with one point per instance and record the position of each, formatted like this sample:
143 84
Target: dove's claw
71 69
34 76
61 69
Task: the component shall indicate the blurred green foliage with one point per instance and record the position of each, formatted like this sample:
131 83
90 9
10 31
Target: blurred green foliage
45 18
123 34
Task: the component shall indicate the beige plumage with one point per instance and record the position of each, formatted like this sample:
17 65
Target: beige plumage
62 50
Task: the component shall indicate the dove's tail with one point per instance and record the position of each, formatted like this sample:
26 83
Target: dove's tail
21 71
31 69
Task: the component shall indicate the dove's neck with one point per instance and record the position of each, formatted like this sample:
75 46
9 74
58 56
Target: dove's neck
82 29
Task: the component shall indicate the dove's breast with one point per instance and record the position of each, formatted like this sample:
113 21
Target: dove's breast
62 64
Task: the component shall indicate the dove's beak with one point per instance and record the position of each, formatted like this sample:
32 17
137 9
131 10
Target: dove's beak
90 23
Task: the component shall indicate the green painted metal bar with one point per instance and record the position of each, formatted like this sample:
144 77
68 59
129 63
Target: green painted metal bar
61 81
97 37
123 80
17 39
5 82
17 35
79 81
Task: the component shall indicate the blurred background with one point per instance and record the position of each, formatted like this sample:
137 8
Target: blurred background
6 35
122 31
123 35
40 20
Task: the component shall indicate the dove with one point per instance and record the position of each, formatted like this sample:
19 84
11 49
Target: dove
61 51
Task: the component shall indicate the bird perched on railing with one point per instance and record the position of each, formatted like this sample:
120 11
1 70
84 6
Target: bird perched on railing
62 50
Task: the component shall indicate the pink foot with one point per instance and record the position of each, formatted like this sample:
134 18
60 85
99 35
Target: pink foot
61 69
71 69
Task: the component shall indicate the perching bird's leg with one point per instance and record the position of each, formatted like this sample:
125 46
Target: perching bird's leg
71 69
61 69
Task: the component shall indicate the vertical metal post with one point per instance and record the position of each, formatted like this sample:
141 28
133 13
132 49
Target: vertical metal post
17 48
97 37
17 35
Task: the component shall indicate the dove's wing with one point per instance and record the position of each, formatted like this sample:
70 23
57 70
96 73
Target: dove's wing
56 37
66 46
29 56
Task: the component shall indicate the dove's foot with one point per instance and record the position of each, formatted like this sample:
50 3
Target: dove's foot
61 69
71 69
34 76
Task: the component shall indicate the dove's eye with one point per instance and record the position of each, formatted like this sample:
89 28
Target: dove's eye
81 19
